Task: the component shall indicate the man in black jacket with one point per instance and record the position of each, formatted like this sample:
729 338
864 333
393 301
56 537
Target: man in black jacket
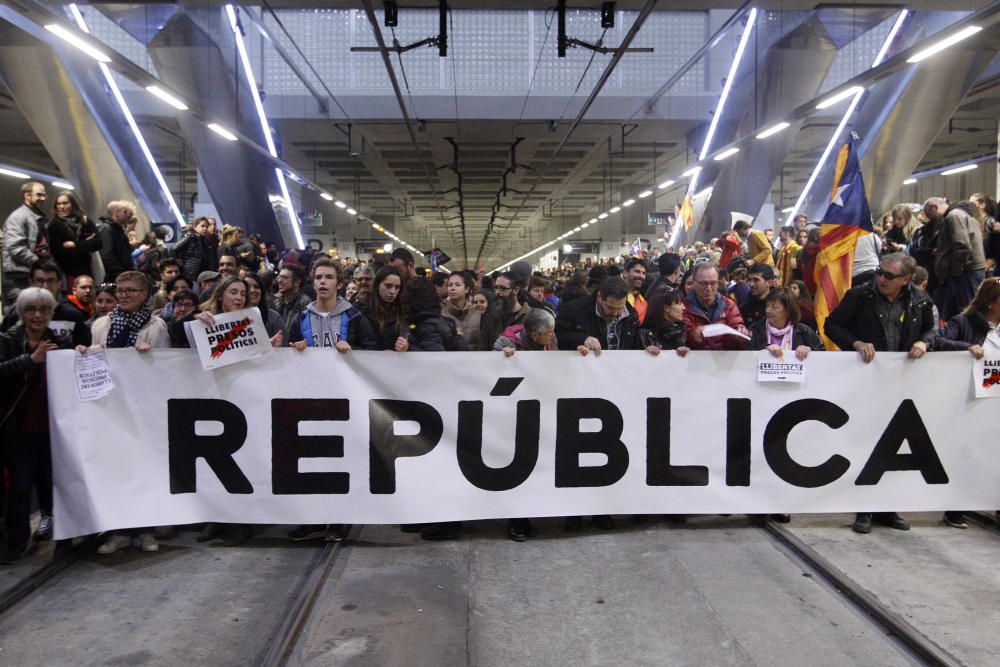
116 251
602 321
888 315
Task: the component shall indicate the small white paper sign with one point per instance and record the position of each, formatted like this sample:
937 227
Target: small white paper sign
93 375
234 337
986 376
719 329
786 368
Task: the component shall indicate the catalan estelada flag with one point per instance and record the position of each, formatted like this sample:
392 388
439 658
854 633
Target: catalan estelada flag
635 250
847 219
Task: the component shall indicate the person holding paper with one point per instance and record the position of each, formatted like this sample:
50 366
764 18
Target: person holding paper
781 330
704 305
130 324
24 401
974 329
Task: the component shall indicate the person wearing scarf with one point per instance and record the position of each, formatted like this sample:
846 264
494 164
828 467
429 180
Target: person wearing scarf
130 324
782 330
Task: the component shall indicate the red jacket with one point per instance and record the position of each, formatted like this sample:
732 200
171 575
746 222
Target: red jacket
695 318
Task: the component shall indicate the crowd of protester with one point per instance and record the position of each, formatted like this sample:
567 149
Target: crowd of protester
925 280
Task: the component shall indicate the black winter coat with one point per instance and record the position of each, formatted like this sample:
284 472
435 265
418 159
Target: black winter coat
430 331
855 318
671 336
193 253
73 261
578 321
802 334
15 362
116 251
962 332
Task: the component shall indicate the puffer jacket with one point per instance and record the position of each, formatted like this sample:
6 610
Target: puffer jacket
696 318
193 252
20 237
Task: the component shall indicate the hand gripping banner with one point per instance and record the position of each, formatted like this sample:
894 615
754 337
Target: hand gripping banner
385 437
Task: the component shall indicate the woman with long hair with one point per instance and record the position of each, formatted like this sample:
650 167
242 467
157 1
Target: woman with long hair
385 310
804 300
664 324
72 238
259 299
904 223
986 213
458 307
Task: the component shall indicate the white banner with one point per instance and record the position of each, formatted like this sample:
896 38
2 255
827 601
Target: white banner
384 437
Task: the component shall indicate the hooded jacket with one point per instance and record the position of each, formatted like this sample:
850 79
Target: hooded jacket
344 322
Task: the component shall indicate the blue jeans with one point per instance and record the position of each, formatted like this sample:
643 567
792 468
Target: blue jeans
960 291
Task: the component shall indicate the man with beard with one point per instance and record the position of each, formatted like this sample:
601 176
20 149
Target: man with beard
508 295
761 278
634 276
24 240
82 297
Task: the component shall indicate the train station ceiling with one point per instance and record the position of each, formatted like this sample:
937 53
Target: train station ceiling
502 145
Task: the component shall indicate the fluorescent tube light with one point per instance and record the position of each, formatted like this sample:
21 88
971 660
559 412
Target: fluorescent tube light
940 45
167 97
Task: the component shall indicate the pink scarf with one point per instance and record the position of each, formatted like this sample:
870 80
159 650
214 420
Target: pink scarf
780 337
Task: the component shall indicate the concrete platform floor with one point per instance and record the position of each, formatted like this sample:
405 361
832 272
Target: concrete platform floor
716 591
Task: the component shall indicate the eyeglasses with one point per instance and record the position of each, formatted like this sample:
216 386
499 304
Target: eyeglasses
129 291
37 310
887 275
707 283
503 290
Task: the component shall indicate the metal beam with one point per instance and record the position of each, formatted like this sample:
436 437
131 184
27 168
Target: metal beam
633 31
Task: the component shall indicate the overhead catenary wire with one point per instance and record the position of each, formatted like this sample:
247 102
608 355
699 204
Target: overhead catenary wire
608 70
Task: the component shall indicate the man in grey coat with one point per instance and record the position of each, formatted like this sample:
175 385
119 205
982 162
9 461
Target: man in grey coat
24 241
959 258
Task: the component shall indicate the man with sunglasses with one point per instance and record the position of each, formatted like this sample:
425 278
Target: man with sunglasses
886 315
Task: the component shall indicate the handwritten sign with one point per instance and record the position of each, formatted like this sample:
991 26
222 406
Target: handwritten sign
786 368
986 376
232 338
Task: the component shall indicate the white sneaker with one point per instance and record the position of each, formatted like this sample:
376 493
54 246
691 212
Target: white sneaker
148 543
113 544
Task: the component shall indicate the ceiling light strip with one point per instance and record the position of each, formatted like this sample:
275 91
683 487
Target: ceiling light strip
109 78
879 57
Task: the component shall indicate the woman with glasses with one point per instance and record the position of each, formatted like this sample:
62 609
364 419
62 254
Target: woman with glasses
72 237
130 324
24 401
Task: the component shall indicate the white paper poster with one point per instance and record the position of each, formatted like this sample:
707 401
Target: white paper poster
786 368
234 337
720 329
93 376
986 377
